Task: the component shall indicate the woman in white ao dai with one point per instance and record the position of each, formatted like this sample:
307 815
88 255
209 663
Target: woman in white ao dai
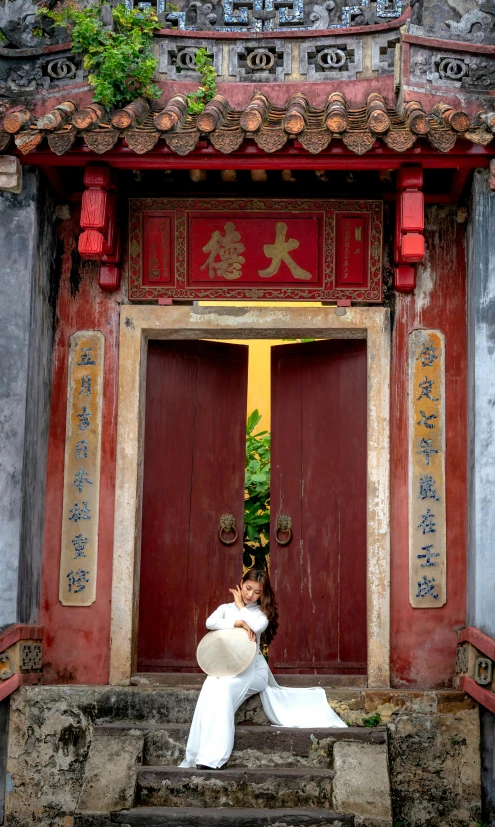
211 737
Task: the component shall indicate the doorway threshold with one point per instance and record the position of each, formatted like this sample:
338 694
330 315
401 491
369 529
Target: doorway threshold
192 679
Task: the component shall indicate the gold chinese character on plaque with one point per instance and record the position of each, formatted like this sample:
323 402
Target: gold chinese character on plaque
228 248
279 252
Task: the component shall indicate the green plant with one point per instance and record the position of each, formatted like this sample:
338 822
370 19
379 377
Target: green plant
196 100
120 61
257 494
372 720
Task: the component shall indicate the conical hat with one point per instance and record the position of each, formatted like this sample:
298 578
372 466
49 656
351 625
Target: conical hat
226 652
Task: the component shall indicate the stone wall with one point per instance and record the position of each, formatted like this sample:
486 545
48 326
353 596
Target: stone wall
433 746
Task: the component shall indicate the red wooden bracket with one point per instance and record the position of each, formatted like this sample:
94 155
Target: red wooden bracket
100 237
409 227
485 697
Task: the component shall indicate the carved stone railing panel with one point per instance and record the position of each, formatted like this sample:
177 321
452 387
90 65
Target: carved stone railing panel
30 74
383 48
177 58
259 61
460 70
306 59
336 59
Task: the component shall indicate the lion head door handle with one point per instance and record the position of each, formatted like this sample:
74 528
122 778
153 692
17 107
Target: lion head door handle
227 526
284 526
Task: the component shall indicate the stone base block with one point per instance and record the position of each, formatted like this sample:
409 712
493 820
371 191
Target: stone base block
110 777
362 783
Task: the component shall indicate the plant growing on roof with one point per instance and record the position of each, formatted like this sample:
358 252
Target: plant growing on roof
257 495
118 56
196 101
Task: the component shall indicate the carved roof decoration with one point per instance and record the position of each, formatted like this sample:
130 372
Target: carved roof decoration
142 128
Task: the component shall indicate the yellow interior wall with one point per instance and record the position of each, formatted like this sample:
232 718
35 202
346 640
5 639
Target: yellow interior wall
258 395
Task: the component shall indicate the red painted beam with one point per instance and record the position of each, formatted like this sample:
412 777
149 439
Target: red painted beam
9 686
485 697
479 640
19 631
13 683
251 157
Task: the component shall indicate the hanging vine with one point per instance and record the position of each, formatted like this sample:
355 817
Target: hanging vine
196 101
119 55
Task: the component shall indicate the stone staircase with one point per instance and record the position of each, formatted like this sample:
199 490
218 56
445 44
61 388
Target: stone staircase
276 776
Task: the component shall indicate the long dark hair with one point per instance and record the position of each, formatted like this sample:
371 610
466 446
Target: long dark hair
268 604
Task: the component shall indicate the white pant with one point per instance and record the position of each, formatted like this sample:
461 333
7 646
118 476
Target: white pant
211 737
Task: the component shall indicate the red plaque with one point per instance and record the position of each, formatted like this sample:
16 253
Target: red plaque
298 250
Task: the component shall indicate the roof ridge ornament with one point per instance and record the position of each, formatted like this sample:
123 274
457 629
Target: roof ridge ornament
277 15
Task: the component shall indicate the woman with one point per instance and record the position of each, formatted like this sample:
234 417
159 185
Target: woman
211 737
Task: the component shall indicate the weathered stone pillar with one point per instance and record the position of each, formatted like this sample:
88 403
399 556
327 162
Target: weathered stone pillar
27 294
481 442
481 406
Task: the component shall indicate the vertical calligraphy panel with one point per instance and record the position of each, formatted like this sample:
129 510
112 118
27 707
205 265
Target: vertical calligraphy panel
427 517
78 561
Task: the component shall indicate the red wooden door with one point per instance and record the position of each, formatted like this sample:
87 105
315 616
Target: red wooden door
318 478
195 443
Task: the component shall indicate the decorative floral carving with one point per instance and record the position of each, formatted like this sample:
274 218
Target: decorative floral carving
442 139
27 141
61 142
201 16
227 140
320 16
25 78
140 140
182 142
269 139
472 25
400 139
315 140
359 141
101 140
480 135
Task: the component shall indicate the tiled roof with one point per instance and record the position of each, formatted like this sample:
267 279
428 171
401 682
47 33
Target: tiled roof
270 127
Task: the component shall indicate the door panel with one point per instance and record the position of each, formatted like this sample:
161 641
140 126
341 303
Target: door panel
195 442
318 478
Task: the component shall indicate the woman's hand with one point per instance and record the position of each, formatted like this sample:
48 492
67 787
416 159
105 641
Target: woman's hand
243 625
237 597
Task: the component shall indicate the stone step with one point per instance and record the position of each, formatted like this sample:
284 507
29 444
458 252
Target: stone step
193 679
254 746
227 817
259 788
176 704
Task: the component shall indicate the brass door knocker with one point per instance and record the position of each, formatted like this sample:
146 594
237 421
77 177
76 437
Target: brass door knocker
284 526
227 525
